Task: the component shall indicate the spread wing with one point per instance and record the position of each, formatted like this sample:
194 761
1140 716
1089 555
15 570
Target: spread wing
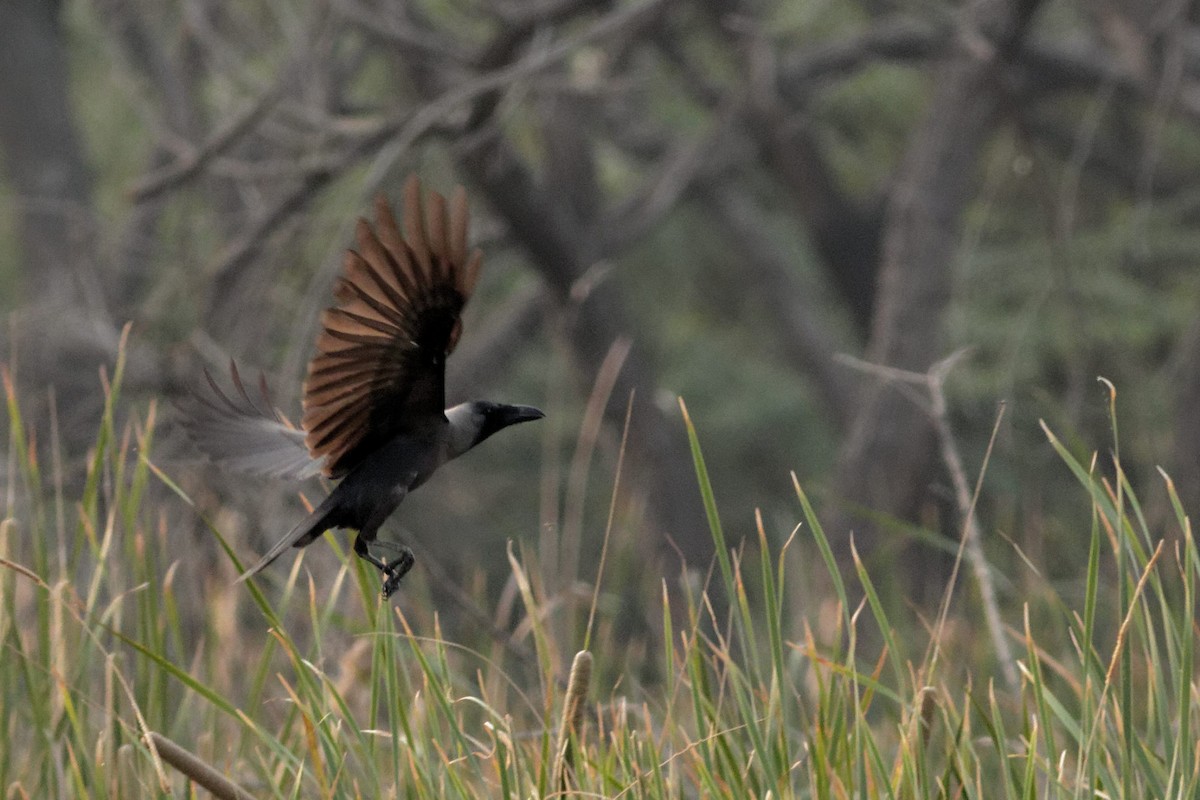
380 363
246 435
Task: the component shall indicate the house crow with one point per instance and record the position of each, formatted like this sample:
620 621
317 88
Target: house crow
374 399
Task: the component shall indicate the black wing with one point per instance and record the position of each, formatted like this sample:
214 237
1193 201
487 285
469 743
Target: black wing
246 435
380 364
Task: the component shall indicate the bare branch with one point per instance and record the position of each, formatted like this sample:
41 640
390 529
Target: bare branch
172 175
932 402
894 39
965 499
686 162
393 29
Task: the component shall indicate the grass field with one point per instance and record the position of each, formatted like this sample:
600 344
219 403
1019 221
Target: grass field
311 690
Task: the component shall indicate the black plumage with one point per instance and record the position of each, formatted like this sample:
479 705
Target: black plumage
373 404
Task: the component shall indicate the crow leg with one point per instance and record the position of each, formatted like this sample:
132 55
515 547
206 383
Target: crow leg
394 570
399 566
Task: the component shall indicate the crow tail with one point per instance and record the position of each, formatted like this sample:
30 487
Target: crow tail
305 531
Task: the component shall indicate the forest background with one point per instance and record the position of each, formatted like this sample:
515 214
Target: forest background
790 214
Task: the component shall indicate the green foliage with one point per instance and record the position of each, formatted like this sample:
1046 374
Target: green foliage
766 687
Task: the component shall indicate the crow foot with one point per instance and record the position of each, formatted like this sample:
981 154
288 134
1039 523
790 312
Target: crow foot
394 570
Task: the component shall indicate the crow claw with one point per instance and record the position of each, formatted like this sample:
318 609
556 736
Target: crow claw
395 570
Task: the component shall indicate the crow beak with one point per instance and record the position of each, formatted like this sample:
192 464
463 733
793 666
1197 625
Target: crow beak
515 414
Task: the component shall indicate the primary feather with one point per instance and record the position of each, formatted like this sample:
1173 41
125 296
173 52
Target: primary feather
380 364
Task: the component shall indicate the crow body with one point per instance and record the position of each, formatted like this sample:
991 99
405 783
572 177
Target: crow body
374 398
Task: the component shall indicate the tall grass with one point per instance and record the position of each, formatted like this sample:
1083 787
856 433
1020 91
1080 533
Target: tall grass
771 692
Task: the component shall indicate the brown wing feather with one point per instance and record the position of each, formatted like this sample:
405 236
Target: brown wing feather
380 362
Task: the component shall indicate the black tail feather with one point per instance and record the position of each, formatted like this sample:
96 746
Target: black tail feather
305 531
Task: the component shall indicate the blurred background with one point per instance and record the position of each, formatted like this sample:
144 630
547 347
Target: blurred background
741 203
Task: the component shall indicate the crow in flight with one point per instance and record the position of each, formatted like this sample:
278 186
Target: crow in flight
374 400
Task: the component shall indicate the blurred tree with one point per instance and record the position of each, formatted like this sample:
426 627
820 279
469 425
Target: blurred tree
42 154
888 460
743 188
65 305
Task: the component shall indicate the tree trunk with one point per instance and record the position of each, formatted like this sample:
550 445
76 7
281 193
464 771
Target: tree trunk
64 330
888 460
42 154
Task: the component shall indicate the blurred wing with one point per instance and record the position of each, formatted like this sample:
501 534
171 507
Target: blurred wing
380 363
244 435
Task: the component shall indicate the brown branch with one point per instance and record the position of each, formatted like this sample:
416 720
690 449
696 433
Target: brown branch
393 30
194 162
844 230
966 500
397 135
893 39
932 402
1048 69
681 166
